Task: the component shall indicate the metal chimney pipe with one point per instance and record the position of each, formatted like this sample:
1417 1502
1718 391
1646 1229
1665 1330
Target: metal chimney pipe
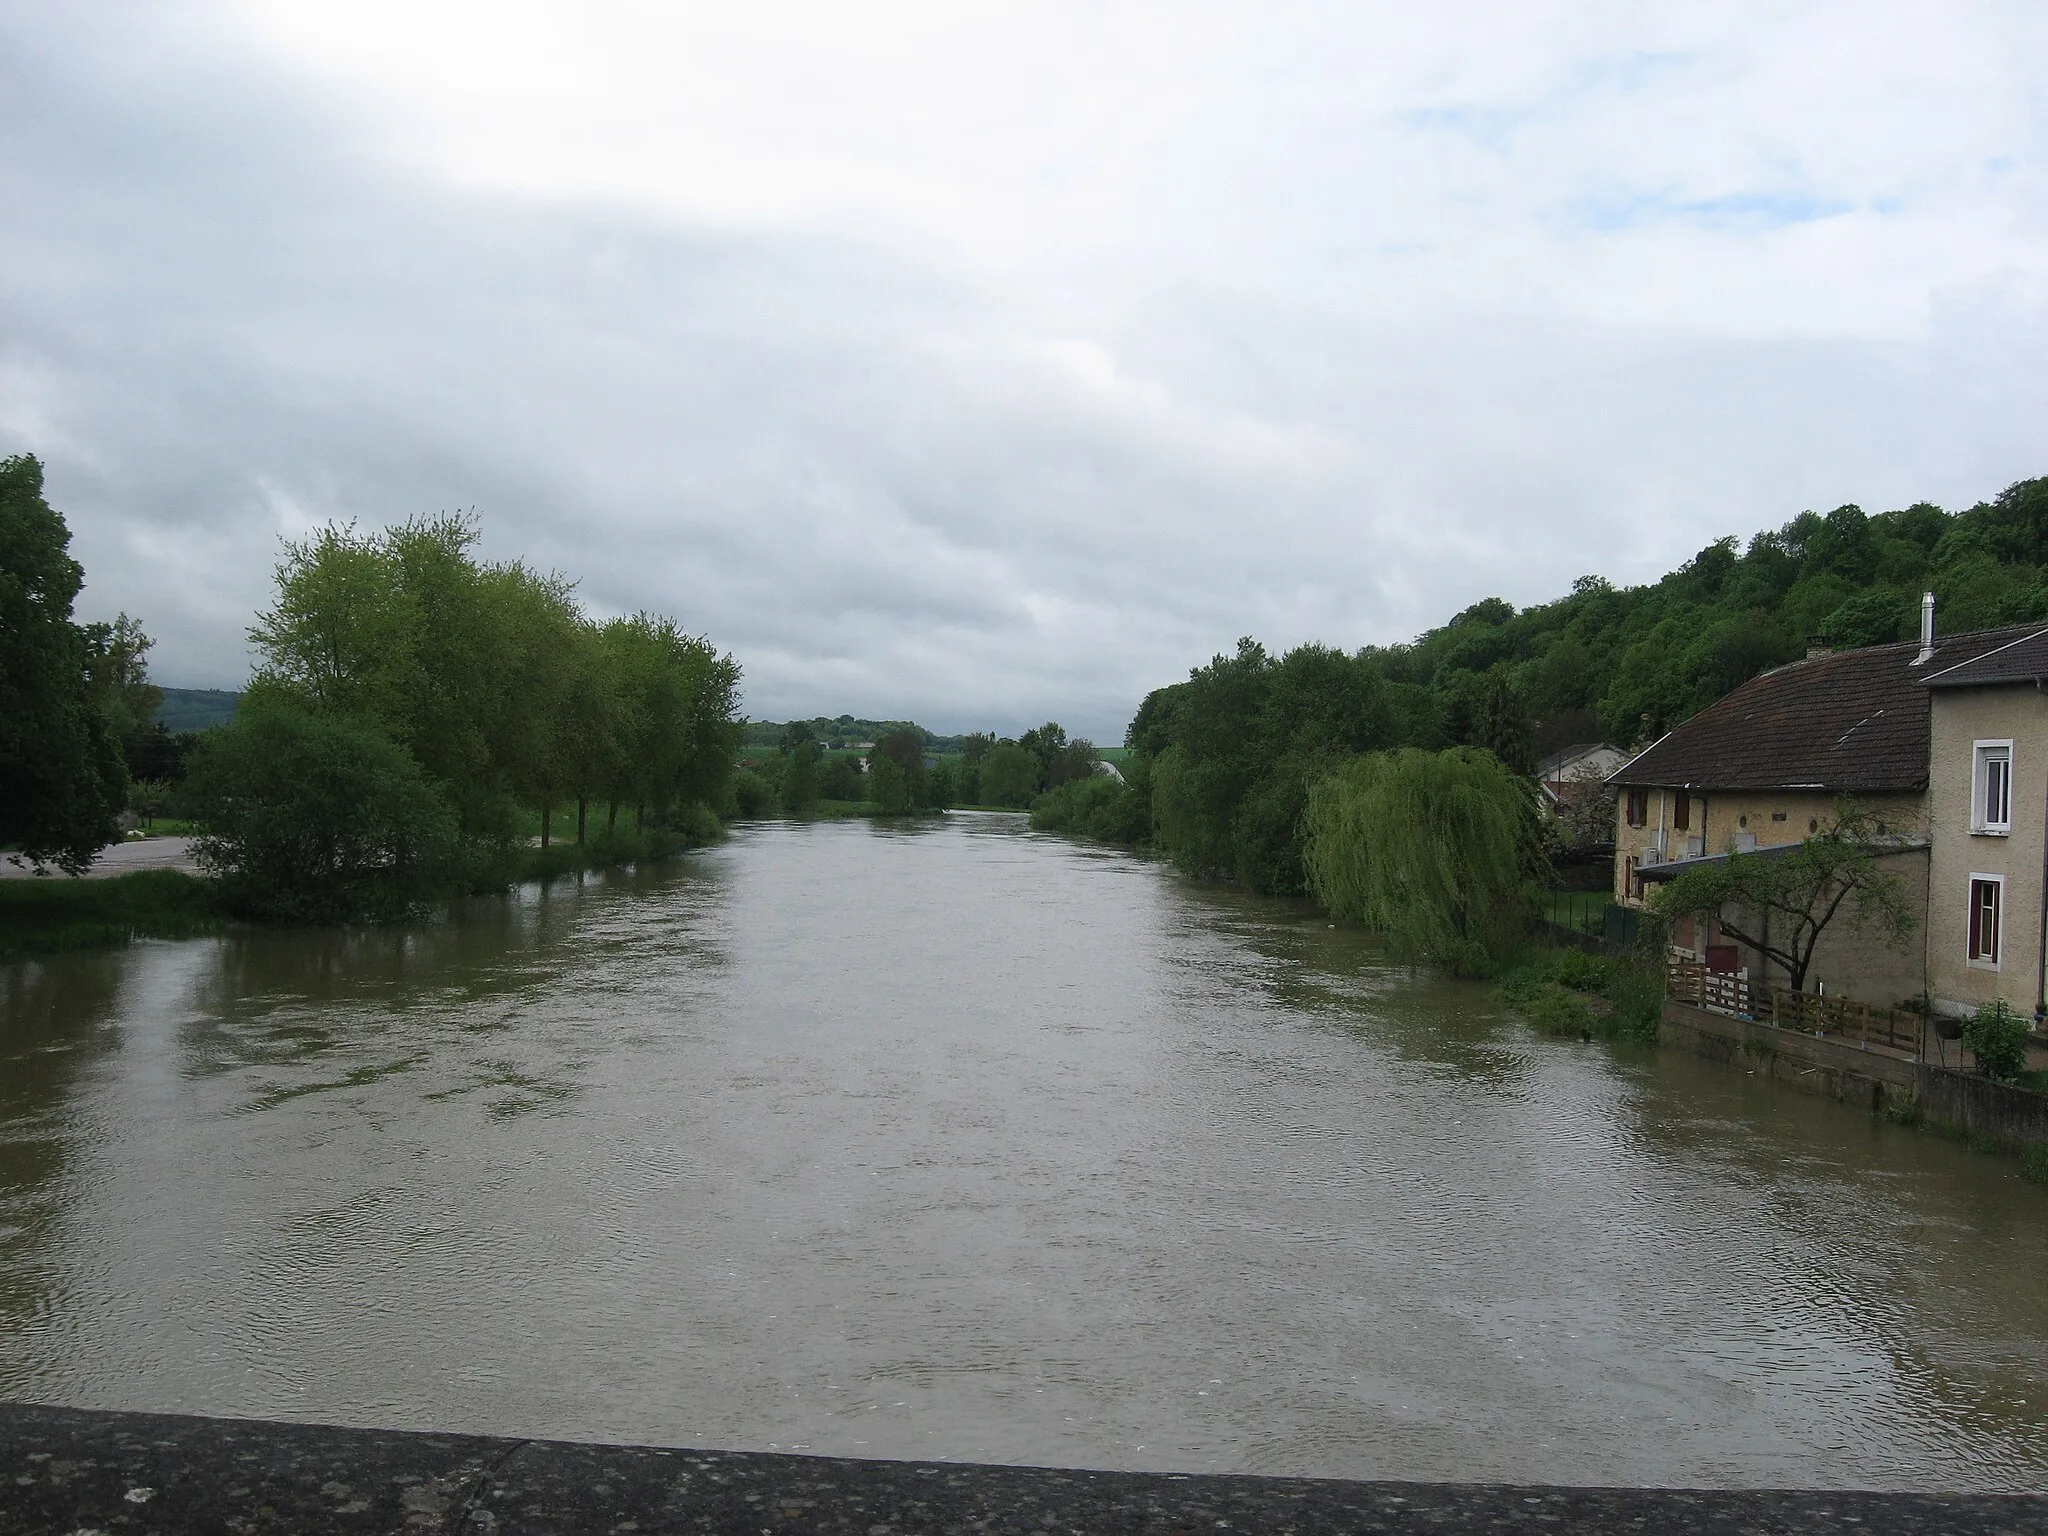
1926 628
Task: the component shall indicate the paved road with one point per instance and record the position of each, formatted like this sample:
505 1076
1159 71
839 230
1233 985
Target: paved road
124 859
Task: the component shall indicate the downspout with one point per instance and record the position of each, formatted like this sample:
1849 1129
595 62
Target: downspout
2041 958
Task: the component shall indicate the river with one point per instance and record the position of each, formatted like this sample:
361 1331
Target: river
952 1140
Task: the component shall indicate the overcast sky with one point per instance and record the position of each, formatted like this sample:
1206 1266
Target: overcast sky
986 364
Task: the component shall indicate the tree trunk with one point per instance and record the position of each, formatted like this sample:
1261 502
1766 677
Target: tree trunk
611 817
582 811
544 814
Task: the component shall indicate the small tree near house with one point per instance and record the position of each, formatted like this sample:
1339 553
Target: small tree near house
1780 903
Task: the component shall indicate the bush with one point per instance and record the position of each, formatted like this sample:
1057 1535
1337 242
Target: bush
2034 1163
1577 969
1552 1009
314 819
1098 806
1997 1037
1555 994
752 794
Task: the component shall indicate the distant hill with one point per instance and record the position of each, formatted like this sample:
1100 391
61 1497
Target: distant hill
844 732
196 709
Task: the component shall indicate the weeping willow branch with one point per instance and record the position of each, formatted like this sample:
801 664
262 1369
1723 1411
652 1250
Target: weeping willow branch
1440 851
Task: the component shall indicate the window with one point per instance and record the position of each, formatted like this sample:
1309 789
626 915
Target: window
1777 815
1987 901
1991 789
1681 811
1631 882
1638 807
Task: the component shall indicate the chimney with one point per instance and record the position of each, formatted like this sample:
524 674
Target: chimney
1926 629
1818 646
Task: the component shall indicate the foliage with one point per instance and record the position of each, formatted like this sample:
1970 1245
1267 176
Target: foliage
841 779
1780 902
1009 776
890 786
752 795
490 678
39 917
1098 806
1237 746
800 775
1439 851
318 818
1234 749
1585 812
1573 994
62 777
150 798
1997 1038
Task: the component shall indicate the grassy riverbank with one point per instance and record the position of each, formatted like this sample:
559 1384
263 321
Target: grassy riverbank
1569 993
50 916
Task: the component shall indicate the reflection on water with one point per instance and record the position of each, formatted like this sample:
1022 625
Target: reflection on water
957 1141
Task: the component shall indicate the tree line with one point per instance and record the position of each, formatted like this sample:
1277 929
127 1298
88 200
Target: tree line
1251 768
906 769
410 701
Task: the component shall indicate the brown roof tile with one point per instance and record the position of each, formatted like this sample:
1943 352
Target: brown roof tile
2017 661
1854 722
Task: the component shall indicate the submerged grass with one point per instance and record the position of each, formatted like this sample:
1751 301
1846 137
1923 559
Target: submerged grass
57 914
1574 995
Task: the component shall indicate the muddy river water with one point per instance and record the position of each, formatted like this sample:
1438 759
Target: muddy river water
953 1140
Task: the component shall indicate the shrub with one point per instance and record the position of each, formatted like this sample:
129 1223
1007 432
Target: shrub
1587 973
1097 806
1997 1037
316 819
752 794
1552 1009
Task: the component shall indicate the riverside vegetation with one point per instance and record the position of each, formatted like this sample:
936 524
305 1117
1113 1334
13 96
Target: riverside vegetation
413 711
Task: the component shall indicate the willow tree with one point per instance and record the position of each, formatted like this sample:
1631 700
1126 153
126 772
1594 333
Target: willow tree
1440 851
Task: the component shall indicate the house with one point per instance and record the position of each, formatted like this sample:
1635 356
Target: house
1589 761
1988 810
1763 768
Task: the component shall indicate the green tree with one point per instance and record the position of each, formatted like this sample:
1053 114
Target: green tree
62 778
1779 902
318 819
800 775
117 673
1439 851
1009 776
896 772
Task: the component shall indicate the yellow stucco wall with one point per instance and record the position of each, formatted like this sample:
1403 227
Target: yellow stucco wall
1719 817
1847 960
1962 717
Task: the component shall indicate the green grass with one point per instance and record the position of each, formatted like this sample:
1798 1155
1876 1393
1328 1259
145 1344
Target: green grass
1592 997
55 914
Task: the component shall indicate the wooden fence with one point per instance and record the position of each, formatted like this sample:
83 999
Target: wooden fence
1723 992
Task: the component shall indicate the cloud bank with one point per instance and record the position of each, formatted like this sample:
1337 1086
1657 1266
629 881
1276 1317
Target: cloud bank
988 366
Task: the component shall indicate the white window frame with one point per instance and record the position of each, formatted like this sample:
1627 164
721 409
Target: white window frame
1997 960
1982 754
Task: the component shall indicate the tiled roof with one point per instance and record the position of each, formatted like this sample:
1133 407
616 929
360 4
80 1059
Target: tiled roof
1854 722
2017 661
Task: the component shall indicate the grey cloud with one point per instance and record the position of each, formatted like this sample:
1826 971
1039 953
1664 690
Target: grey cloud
888 483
